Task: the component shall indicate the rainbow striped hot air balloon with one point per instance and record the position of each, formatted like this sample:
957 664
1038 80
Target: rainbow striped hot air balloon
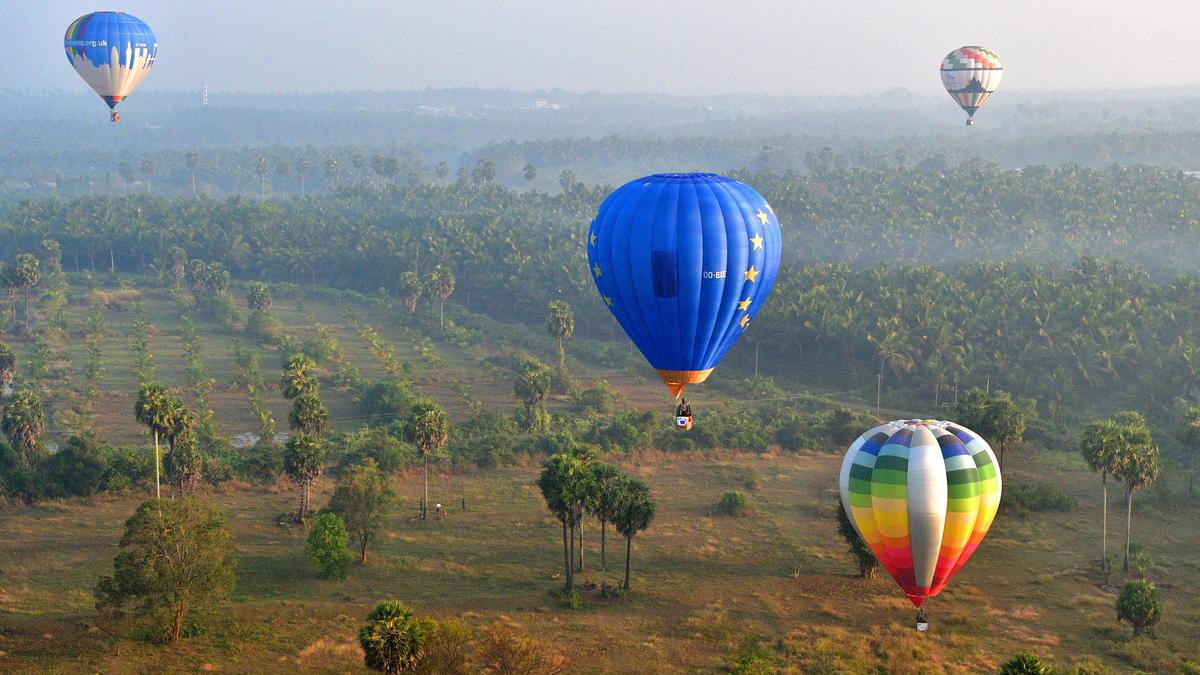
684 261
970 75
922 494
112 52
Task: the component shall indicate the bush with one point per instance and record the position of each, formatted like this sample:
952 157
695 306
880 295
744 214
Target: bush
503 651
1021 499
733 504
446 649
1139 605
221 309
260 465
385 401
756 658
78 470
262 327
600 398
1024 663
390 453
391 639
327 547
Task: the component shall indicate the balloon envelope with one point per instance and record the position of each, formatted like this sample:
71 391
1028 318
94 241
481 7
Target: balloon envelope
684 261
922 494
970 75
111 51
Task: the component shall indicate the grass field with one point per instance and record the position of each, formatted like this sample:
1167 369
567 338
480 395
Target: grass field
702 584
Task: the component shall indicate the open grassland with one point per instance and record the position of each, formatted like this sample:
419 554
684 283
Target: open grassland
702 583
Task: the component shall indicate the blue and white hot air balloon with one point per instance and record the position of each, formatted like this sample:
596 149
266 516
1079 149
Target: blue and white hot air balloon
684 261
112 52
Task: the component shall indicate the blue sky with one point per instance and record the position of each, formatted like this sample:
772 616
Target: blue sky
829 47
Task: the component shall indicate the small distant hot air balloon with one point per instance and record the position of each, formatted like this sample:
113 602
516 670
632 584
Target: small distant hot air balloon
922 494
970 75
684 261
112 52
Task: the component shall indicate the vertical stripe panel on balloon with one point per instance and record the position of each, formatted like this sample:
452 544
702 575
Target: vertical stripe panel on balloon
641 270
926 505
676 205
889 503
962 506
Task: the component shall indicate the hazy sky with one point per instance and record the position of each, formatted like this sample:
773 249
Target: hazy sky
687 47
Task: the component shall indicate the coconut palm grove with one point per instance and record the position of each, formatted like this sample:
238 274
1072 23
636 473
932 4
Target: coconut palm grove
432 366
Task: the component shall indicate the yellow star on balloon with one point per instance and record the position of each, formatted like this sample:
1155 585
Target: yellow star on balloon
762 217
596 269
745 321
593 239
608 301
743 305
757 240
751 274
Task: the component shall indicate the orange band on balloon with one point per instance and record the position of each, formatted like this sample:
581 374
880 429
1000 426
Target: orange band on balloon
676 380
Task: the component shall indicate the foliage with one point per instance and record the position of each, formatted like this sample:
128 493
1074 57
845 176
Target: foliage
1139 605
391 639
362 499
175 556
504 652
1025 663
304 460
385 401
755 658
308 415
23 424
858 549
733 504
326 547
1021 499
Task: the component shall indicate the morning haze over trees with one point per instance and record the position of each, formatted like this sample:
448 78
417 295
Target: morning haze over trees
324 381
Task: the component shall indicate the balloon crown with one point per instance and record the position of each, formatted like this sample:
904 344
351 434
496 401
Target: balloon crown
912 424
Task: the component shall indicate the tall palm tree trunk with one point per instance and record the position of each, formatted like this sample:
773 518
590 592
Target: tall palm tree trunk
1128 524
603 571
566 557
571 564
1104 525
628 551
425 503
157 470
580 566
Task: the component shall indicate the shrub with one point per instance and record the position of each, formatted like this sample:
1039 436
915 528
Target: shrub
1021 499
446 649
733 504
391 639
503 651
385 401
221 309
600 398
261 464
867 563
1139 605
78 470
1024 663
262 327
756 658
327 547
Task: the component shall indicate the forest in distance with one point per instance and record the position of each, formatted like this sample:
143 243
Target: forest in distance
387 397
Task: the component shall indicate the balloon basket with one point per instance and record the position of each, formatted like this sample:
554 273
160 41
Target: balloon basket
922 626
683 423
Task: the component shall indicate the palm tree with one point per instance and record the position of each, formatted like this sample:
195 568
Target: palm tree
605 488
158 411
304 459
410 288
8 366
1138 465
332 170
563 484
530 172
27 272
1188 435
302 166
441 286
634 513
531 387
178 259
428 429
262 169
126 172
148 169
308 415
298 377
560 323
1100 445
193 161
24 423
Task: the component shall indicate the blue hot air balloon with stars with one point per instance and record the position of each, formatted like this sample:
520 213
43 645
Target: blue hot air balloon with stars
684 261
